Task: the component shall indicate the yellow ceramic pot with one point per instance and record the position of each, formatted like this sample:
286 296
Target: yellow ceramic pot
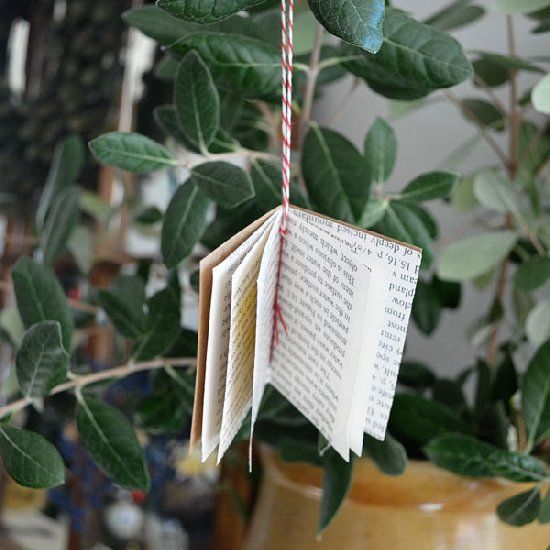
424 509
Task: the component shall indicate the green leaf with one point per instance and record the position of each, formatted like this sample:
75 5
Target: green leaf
535 395
415 375
185 221
544 513
534 149
206 11
401 222
30 459
389 455
162 413
110 439
224 183
537 325
482 393
520 6
490 73
238 63
425 217
357 22
373 213
467 456
543 25
337 475
495 192
131 152
12 325
166 119
483 113
533 274
449 393
540 96
521 509
266 179
67 164
41 298
475 255
449 293
197 101
158 24
418 419
380 149
414 60
41 362
335 173
505 383
169 407
95 207
456 15
223 142
162 324
292 450
433 185
60 223
509 62
166 68
123 303
148 216
426 309
81 246
463 198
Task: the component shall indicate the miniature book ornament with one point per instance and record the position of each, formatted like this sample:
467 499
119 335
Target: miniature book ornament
315 307
346 296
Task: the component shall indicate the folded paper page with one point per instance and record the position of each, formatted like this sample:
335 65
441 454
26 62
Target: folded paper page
403 262
240 363
218 340
323 292
207 265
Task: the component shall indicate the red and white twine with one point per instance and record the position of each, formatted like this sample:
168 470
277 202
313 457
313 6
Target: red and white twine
287 52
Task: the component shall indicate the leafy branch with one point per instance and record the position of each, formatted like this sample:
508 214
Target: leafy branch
79 382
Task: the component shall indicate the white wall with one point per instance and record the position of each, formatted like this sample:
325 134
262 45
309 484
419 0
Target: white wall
425 138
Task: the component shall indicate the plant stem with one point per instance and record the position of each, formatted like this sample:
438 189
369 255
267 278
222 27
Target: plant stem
513 107
270 121
5 286
511 166
313 73
491 94
79 382
492 344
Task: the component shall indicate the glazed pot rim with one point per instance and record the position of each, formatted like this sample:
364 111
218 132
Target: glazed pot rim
422 484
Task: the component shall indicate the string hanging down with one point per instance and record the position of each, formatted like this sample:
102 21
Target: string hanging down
287 53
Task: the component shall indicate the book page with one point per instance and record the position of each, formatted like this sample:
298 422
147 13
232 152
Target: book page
218 340
207 264
240 364
403 264
371 331
323 289
267 280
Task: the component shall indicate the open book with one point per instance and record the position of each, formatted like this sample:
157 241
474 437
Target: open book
346 296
